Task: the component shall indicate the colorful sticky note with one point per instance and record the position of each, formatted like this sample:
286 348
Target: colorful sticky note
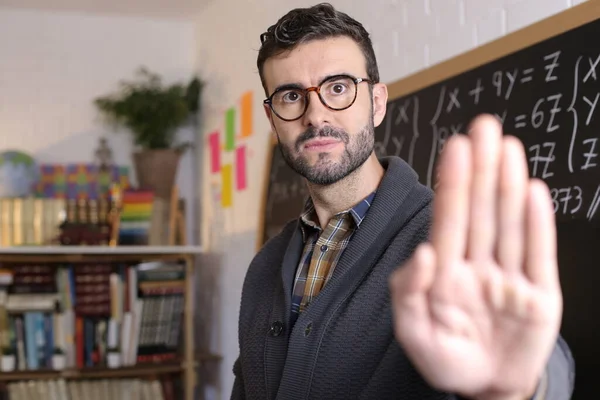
240 168
246 114
230 129
227 188
215 152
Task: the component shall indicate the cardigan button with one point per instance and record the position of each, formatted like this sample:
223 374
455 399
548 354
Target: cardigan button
308 329
276 328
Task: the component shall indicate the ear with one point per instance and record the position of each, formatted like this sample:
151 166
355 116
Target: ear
380 97
269 114
267 111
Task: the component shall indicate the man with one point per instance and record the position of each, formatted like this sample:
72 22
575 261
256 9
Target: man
378 291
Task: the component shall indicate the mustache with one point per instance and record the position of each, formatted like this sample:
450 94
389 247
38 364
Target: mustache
327 131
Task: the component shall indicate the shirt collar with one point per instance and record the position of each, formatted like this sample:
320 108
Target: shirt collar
309 218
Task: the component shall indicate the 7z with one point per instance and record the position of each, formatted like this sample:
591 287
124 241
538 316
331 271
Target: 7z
570 198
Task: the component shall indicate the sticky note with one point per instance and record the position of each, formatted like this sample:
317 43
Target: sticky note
246 114
215 152
240 168
230 129
227 186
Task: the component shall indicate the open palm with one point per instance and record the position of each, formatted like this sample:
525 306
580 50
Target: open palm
478 308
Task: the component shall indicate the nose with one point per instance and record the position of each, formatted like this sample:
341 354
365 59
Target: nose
316 112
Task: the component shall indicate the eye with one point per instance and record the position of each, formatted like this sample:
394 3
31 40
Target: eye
290 96
337 87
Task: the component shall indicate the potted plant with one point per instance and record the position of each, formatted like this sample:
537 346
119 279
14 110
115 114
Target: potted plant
113 357
8 359
153 112
59 360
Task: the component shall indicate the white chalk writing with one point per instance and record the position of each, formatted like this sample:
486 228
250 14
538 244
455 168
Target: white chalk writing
552 66
546 159
592 71
476 91
570 197
591 154
592 105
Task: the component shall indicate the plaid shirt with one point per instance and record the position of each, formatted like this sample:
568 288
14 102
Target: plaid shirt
322 250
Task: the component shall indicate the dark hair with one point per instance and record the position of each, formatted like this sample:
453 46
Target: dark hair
321 21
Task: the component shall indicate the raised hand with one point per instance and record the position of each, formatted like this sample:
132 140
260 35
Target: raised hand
478 308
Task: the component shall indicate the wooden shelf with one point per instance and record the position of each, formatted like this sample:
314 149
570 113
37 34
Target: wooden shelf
102 373
90 373
76 254
101 250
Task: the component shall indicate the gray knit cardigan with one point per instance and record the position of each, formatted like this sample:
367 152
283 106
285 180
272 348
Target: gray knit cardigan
343 346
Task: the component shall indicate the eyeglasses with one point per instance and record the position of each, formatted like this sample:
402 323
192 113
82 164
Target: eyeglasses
336 93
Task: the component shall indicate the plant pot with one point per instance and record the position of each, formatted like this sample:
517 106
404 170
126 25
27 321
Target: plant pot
113 360
59 362
8 363
157 170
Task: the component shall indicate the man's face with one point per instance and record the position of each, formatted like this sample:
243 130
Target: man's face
325 145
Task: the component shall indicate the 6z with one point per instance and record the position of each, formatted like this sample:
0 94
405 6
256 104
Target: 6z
568 197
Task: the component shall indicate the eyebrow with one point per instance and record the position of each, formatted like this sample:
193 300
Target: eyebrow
296 85
288 86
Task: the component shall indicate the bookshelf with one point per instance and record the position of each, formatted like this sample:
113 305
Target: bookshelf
102 251
93 373
78 256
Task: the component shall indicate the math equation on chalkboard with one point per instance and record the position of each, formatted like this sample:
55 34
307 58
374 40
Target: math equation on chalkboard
547 95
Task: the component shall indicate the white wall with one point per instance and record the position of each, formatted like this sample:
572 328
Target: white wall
52 66
408 35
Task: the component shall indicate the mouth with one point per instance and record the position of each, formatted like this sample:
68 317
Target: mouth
321 144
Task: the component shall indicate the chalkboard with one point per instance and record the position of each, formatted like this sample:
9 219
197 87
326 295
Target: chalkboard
286 193
548 95
543 82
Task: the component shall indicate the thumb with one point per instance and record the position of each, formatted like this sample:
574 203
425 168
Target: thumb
409 288
417 275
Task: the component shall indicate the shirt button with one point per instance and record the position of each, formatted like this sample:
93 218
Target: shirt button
276 328
324 248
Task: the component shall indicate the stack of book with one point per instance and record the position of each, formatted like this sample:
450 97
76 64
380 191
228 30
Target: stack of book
86 311
101 389
30 221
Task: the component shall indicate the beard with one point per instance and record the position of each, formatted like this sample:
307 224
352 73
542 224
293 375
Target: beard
327 171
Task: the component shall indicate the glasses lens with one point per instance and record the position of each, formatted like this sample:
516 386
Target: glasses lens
289 103
338 92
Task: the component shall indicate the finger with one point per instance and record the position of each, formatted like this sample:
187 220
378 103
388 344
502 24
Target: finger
541 265
512 203
451 204
409 288
486 135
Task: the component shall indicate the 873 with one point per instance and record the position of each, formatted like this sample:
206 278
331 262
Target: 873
567 200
